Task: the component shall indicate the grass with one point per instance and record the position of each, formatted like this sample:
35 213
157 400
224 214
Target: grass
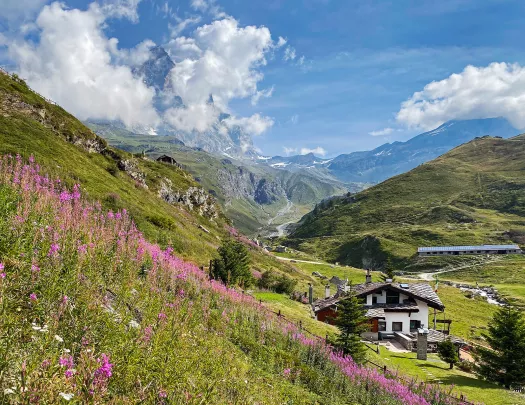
436 371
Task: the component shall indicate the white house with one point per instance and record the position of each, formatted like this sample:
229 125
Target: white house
391 307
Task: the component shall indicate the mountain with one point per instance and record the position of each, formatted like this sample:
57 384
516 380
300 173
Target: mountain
398 157
222 137
258 198
474 194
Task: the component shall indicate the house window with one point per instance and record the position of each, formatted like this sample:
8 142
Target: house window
374 299
381 326
392 297
414 325
397 326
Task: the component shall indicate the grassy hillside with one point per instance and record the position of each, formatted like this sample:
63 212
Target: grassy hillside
91 312
233 182
475 194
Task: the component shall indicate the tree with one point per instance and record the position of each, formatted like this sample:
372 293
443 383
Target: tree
233 264
387 271
351 321
504 363
448 352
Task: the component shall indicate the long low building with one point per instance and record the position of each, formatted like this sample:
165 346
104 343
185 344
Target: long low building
469 250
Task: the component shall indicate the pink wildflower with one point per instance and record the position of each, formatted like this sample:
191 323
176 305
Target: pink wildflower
163 394
35 268
286 371
33 297
2 266
53 250
162 316
2 275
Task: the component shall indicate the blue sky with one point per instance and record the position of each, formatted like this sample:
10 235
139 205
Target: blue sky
355 63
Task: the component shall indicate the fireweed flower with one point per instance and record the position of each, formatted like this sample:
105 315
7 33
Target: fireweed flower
33 297
53 250
35 268
2 267
163 394
2 275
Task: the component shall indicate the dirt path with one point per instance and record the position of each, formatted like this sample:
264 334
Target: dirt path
431 275
286 259
281 229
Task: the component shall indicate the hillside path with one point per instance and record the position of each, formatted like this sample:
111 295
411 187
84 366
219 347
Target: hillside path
287 259
430 276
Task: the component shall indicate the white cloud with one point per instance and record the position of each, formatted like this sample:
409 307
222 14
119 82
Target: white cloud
208 6
300 62
182 24
266 93
289 54
224 60
200 5
289 151
316 151
198 117
182 48
254 125
382 132
72 64
281 42
477 92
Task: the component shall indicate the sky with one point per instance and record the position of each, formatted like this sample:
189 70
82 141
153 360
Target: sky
328 76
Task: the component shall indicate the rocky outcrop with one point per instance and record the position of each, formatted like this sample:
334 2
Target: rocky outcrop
242 183
130 166
194 198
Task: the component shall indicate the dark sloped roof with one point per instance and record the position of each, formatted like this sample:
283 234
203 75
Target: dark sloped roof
420 291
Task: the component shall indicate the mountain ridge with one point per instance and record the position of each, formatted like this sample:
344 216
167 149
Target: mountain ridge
473 194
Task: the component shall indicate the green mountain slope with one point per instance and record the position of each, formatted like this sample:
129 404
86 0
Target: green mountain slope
194 227
256 197
475 194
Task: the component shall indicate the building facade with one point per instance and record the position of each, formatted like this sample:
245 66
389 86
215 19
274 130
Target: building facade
469 250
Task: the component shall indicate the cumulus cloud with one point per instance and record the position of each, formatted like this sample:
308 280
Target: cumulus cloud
382 132
316 151
221 59
72 64
477 92
254 125
227 66
266 93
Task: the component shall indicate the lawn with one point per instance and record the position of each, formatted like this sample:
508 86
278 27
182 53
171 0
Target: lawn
435 370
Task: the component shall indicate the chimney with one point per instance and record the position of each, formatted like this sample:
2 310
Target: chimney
422 344
368 277
327 291
310 293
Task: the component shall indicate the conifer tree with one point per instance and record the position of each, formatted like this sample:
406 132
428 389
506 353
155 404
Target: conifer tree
351 321
448 352
504 363
387 271
233 264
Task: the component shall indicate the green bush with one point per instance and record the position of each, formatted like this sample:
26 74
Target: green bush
281 284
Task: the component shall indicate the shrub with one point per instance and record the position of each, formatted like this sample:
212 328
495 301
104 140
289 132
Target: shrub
232 267
281 284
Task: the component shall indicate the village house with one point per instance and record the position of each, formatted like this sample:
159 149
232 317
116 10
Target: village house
395 310
469 250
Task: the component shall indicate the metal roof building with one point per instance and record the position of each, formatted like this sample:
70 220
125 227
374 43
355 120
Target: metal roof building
469 250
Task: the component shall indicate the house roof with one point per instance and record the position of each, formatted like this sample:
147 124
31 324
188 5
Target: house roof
466 248
420 291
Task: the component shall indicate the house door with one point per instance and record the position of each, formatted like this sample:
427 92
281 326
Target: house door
375 327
